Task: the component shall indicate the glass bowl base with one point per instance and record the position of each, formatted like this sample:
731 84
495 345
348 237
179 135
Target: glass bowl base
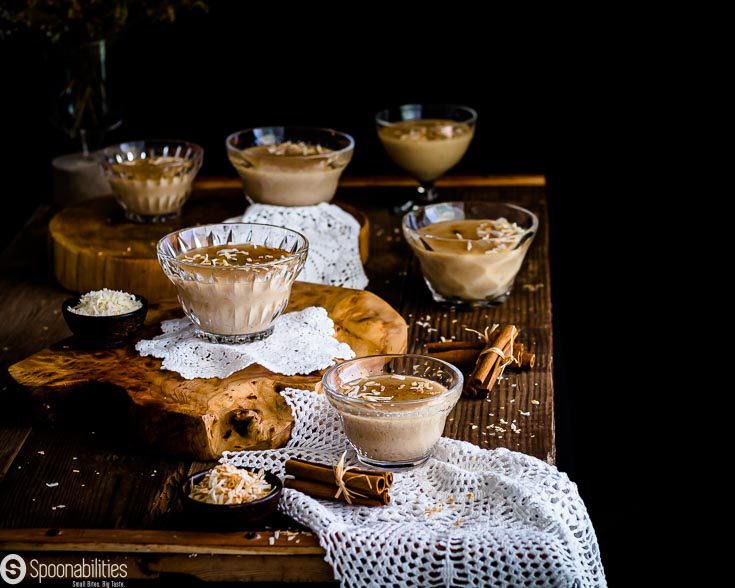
393 465
235 339
460 303
152 218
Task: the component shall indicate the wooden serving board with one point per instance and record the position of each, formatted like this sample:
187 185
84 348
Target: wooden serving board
197 418
95 247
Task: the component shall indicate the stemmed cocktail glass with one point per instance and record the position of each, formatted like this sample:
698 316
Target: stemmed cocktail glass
426 140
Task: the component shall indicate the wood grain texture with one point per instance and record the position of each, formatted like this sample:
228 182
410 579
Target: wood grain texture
91 478
11 442
199 418
162 541
206 567
347 181
95 247
30 298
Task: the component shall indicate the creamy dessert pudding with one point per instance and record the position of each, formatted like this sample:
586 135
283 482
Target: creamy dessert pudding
236 285
393 408
288 166
426 148
466 259
152 179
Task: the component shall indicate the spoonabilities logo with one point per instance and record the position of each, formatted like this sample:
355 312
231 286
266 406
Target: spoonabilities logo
12 569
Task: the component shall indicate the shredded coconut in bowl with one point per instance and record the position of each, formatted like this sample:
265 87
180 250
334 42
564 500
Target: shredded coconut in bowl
228 484
105 303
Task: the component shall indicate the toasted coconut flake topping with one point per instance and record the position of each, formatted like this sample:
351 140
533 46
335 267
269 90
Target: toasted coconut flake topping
105 303
227 484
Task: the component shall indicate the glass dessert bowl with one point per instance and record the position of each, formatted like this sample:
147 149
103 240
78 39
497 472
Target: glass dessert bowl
426 140
470 252
393 407
151 179
233 279
290 166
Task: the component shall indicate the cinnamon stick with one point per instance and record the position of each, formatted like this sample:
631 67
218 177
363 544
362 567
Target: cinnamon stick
317 490
436 346
458 357
500 339
488 384
526 360
466 356
369 482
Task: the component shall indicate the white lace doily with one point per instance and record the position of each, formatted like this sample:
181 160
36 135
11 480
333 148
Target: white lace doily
469 517
302 342
334 240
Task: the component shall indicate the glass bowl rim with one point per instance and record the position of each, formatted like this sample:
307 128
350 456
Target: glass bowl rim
197 150
385 123
349 147
304 248
331 393
532 229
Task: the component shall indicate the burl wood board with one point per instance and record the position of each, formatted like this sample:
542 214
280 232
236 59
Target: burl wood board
198 418
95 247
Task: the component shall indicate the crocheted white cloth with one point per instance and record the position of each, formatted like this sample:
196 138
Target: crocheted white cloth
333 234
302 342
469 517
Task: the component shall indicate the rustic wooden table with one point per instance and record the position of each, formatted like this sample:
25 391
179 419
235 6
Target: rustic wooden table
89 489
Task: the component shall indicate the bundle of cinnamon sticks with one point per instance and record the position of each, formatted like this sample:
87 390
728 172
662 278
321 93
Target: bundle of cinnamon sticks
351 485
487 358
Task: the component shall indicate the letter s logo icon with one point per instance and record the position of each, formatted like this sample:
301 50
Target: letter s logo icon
12 569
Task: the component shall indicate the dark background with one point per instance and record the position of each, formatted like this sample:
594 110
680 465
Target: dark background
539 112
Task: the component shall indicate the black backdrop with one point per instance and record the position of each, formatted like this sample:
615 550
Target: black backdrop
207 76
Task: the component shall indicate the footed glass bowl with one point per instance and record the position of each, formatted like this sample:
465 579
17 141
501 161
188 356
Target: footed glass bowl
290 166
465 261
151 179
388 432
232 303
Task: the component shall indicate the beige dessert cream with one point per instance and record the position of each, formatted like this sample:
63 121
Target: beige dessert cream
234 290
290 174
426 148
389 429
470 259
152 186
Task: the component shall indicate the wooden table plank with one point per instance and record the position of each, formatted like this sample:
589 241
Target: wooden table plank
158 541
12 440
210 183
131 498
204 566
89 478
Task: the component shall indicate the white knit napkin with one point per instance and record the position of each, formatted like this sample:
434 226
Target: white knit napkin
468 517
334 240
302 342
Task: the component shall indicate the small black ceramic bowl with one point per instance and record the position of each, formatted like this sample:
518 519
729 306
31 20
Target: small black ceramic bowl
231 516
104 331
